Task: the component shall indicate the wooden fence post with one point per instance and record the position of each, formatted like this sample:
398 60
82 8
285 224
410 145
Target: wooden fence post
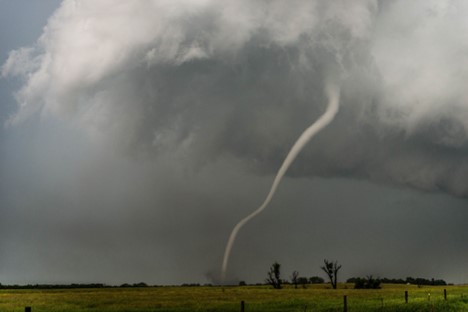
406 296
27 309
445 294
242 306
345 304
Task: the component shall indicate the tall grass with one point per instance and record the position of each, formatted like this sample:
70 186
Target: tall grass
257 299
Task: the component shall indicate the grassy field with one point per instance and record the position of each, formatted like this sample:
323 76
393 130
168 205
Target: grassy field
257 298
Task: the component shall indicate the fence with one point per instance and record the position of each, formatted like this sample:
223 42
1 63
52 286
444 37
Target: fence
405 297
354 301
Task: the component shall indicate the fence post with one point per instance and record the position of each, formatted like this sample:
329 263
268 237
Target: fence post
406 296
445 294
27 309
345 304
242 306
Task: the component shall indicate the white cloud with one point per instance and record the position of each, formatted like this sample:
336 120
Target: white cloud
421 52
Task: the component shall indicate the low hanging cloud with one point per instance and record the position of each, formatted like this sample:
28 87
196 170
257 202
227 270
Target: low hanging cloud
244 78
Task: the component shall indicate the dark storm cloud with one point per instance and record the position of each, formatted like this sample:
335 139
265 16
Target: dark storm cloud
180 77
161 123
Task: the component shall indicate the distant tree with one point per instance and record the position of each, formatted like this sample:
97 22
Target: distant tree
424 281
242 283
316 280
303 281
331 268
409 280
367 283
190 285
294 278
373 283
141 284
439 282
274 276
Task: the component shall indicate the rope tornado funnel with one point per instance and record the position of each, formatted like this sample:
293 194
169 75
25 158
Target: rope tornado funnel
333 94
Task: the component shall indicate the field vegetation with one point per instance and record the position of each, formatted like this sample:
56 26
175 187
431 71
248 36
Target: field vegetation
217 298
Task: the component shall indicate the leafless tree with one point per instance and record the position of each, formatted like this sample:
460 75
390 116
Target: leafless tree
294 278
331 268
274 276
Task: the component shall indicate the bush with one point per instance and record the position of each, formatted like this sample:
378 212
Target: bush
366 283
316 280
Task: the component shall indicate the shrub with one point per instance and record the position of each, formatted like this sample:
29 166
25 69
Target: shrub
366 283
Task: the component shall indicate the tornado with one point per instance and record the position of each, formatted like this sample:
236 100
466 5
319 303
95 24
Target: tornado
333 94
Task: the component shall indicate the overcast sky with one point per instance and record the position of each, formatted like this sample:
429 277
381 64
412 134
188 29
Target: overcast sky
135 135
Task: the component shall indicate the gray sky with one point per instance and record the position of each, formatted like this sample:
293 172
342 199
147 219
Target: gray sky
136 135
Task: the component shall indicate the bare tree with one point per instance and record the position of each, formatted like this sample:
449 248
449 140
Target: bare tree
274 276
294 278
331 268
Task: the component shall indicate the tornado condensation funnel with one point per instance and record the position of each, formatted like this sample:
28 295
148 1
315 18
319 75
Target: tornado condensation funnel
333 94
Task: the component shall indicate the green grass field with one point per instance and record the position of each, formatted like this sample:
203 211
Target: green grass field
257 298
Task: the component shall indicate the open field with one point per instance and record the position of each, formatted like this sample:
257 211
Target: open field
257 298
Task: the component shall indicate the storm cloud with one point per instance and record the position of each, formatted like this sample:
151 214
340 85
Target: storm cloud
173 108
245 78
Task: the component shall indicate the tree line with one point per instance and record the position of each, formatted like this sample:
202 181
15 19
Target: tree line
364 282
54 286
331 268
